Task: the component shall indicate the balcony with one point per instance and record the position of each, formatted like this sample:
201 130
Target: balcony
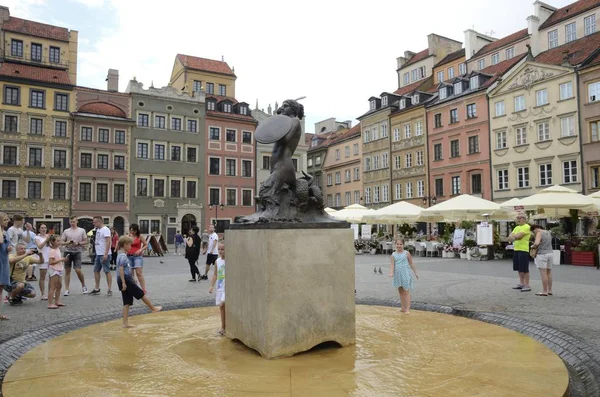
44 60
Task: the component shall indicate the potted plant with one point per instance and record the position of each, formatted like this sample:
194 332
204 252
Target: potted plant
373 246
558 234
448 251
469 244
584 254
463 252
359 245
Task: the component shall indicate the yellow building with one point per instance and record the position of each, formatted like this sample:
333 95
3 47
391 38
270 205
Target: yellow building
37 74
194 74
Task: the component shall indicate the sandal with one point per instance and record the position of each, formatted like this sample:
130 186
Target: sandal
550 293
52 307
60 304
541 294
4 317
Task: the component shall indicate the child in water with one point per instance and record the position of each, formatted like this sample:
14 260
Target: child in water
219 279
401 274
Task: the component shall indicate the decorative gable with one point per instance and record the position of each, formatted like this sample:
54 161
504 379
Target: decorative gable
529 74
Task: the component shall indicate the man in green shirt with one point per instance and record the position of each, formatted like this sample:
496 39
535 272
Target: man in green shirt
520 238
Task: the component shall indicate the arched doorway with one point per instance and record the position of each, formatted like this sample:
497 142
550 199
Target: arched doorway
187 222
119 225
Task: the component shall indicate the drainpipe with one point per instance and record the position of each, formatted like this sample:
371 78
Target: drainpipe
491 180
583 173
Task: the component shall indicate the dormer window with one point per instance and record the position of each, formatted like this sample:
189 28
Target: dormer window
422 72
415 98
210 105
443 93
384 101
474 82
402 103
458 88
372 104
314 142
243 110
227 107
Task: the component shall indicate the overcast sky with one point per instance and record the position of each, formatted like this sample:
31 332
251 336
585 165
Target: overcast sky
336 53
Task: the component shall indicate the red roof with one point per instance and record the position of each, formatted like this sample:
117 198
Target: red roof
102 108
495 45
37 29
416 58
569 11
500 68
36 73
346 134
578 51
220 98
409 88
453 56
205 65
308 138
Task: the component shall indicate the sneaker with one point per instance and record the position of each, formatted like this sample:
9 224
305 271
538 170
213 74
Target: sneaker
518 286
109 293
525 289
85 290
205 277
6 299
44 297
33 278
66 293
15 301
95 292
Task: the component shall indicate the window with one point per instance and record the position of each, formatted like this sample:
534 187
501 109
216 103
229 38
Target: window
418 128
222 90
408 160
119 193
541 97
397 162
451 73
409 193
594 131
474 82
119 162
159 151
247 137
458 88
227 107
495 58
347 151
159 188
191 155
176 123
501 140
338 199
398 191
384 101
590 24
499 106
419 158
120 137
329 179
521 135
385 193
36 52
440 75
246 168
34 190
142 150
571 32
243 110
348 198
453 116
190 189
10 155
267 162
11 95
545 174
230 167
16 48
210 105
60 128
54 55
175 188
473 144
439 187
376 191
407 133
101 192
502 179
357 174
510 53
372 104
103 161
35 157
595 177
246 197
338 178
462 69
384 160
396 135
481 64
103 135
192 126
437 152
61 102
214 166
60 159
420 189
375 134
384 133
438 120
85 160
210 88
406 78
553 39
85 191
443 93
454 148
523 177
519 103
9 189
543 130
197 86
230 135
471 111
310 162
11 123
231 197
570 171
593 91
175 153
567 126
422 74
36 126
214 133
476 187
36 99
143 120
160 122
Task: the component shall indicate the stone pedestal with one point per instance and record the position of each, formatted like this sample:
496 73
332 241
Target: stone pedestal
290 287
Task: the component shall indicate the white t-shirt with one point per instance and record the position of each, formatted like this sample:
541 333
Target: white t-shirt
100 244
214 237
46 249
16 235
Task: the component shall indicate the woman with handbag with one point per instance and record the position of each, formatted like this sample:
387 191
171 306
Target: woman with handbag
543 257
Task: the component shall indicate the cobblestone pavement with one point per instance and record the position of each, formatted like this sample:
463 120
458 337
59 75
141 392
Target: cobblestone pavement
484 286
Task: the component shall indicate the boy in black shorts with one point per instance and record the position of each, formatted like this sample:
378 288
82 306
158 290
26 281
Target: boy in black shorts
129 289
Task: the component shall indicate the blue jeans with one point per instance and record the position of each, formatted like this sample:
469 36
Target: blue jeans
100 264
135 261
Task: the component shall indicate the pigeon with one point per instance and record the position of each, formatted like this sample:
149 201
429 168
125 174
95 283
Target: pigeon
375 270
380 272
161 262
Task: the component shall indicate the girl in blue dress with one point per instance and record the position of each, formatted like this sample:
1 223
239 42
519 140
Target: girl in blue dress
402 275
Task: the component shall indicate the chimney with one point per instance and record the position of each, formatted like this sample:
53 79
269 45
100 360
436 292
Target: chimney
4 14
566 61
542 11
112 80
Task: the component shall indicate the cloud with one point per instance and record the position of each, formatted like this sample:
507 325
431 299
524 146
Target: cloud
91 3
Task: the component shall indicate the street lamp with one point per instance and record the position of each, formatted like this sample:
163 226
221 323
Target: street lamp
217 206
428 201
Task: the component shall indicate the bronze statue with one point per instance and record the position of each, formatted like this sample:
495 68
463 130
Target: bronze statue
282 197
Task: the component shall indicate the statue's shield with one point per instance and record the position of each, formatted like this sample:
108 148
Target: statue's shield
273 129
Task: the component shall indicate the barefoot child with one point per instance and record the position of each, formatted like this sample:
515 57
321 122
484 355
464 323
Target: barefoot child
129 289
56 266
219 278
400 272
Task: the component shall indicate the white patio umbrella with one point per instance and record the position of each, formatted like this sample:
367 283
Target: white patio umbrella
401 212
596 198
330 210
465 207
556 201
352 213
511 204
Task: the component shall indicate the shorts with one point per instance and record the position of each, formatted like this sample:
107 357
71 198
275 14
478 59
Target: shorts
53 272
220 297
211 258
74 259
136 261
27 289
132 291
100 264
521 261
544 261
43 266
